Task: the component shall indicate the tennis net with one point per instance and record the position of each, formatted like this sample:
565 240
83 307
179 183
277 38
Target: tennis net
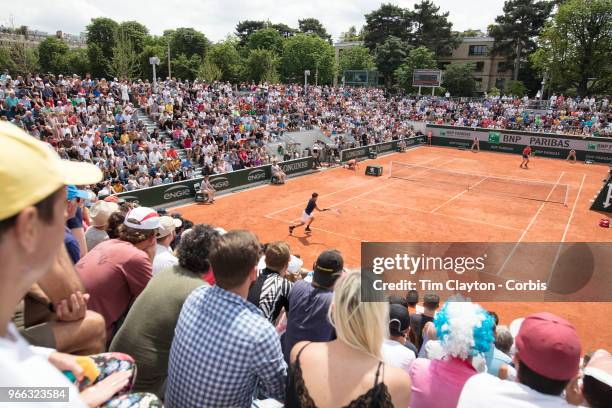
482 183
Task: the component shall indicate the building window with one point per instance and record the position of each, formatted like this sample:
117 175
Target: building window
502 66
479 66
499 83
478 83
478 50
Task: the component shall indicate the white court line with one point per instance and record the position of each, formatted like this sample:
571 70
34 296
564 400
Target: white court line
344 189
443 215
378 188
457 196
529 226
318 229
569 220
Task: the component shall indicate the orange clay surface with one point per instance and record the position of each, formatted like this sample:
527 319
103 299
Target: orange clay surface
390 209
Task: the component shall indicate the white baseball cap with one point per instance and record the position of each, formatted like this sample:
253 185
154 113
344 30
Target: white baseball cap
167 225
142 218
101 211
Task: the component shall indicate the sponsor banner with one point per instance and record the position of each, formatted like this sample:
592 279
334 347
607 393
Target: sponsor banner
164 194
379 148
356 153
603 201
182 190
297 165
509 141
489 271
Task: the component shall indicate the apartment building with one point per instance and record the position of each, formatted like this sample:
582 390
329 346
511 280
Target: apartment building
31 38
490 71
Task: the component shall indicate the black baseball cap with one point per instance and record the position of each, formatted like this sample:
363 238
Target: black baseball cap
399 320
328 268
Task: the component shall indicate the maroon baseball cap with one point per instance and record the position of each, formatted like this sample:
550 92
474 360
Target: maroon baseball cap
549 345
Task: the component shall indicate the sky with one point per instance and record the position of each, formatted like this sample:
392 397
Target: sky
218 18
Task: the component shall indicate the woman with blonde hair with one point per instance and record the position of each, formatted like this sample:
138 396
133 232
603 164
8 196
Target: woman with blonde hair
348 371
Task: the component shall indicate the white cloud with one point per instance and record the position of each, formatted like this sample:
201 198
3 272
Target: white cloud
217 18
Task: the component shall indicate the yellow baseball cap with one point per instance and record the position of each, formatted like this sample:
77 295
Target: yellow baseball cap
30 171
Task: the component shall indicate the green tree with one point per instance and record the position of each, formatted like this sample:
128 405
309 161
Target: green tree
97 62
432 29
187 41
266 39
100 42
314 26
137 33
388 20
6 59
418 58
19 59
209 72
459 79
494 92
186 68
515 88
307 52
351 35
101 31
262 66
52 53
471 32
77 62
284 30
124 63
245 28
515 31
226 57
355 58
576 47
389 56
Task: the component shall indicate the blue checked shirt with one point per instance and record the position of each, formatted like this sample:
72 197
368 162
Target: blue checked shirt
223 348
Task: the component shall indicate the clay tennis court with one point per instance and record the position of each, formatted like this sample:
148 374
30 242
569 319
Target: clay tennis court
430 204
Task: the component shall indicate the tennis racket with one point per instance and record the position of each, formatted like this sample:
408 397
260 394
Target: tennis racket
334 210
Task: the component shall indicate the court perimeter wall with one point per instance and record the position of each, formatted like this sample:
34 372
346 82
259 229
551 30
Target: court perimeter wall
184 190
596 149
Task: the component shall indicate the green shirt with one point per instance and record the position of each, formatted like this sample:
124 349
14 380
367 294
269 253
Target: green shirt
148 330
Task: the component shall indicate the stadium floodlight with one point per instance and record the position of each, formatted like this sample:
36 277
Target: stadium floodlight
154 61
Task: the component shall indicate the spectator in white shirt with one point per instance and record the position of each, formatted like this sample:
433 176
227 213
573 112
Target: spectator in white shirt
394 352
155 156
547 358
164 258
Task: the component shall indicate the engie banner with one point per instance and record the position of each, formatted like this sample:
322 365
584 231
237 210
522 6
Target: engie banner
168 193
379 148
552 145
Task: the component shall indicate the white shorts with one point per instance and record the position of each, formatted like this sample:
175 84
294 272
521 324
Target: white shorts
305 217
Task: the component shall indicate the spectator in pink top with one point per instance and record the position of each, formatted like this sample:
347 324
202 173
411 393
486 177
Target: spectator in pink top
464 329
116 271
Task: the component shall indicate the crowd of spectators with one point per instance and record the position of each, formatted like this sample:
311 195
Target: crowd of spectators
205 129
145 309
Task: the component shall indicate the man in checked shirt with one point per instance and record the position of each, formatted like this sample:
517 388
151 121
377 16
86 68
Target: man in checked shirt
224 350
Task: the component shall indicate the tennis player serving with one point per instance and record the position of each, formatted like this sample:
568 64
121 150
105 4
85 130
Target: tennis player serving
307 216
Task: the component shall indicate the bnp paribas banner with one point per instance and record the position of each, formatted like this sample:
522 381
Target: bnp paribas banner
235 180
596 149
